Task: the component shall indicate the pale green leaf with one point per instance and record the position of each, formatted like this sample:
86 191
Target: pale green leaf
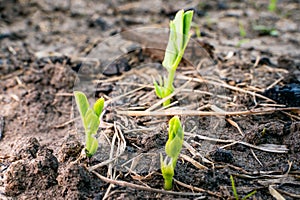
188 16
178 21
175 128
175 140
171 50
158 90
173 147
98 106
82 103
91 121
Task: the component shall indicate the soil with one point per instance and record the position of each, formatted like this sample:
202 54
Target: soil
50 48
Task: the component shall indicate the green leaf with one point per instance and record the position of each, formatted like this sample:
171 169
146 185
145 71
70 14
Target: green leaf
236 196
175 140
171 50
188 16
249 195
175 128
98 106
179 37
178 21
158 90
173 147
91 122
82 103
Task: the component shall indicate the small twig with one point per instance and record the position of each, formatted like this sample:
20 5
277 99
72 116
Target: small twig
207 93
10 75
106 162
274 149
123 95
139 187
295 196
256 61
2 122
108 193
275 193
225 85
64 94
275 83
111 154
193 162
254 155
292 116
66 123
271 105
193 188
266 175
203 113
233 123
135 84
193 151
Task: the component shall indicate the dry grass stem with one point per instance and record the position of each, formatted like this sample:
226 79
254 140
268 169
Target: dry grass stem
139 187
193 162
257 111
272 148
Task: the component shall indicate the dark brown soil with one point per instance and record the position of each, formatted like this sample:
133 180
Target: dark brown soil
50 48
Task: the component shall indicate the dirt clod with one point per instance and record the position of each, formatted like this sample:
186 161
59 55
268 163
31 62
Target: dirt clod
27 150
35 166
70 150
222 155
36 172
75 181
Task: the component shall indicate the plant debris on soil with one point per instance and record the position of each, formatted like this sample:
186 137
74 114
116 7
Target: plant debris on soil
237 96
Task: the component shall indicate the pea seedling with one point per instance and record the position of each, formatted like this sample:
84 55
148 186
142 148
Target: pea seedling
178 40
172 148
272 5
90 119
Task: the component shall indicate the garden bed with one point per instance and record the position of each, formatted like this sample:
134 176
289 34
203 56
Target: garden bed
237 97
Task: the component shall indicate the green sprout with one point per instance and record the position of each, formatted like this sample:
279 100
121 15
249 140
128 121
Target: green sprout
172 148
243 35
91 120
272 5
236 196
243 32
266 30
178 40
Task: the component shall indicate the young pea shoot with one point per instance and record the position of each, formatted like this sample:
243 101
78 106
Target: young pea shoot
272 5
172 148
178 40
90 119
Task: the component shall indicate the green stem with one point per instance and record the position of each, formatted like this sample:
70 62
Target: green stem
174 162
166 103
168 184
169 86
171 76
234 188
88 141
